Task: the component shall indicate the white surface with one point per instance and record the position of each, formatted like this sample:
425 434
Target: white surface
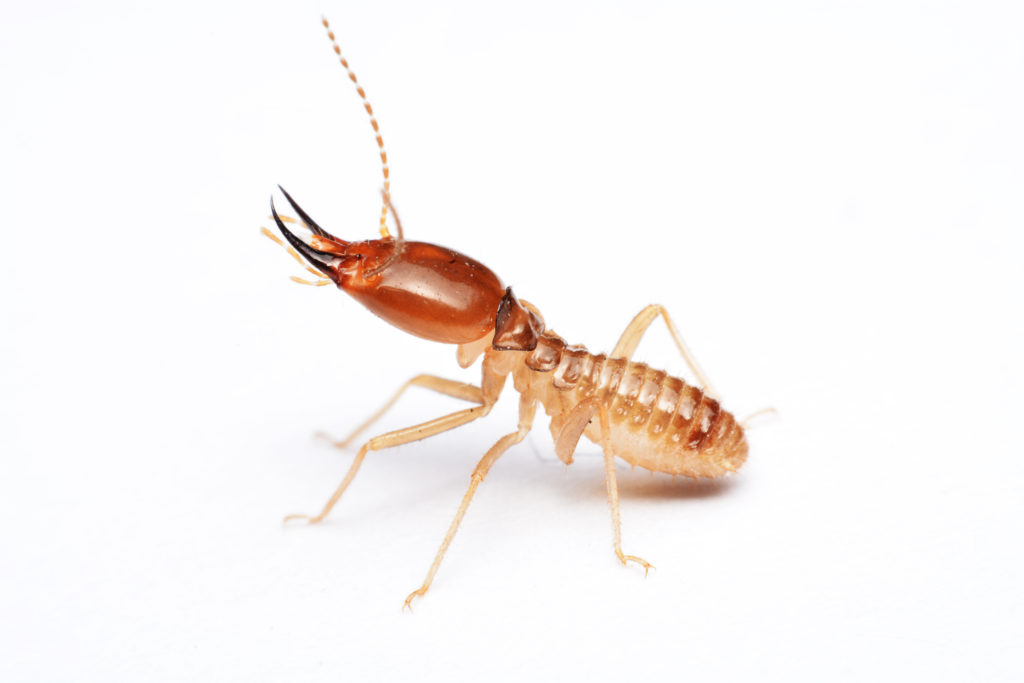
827 198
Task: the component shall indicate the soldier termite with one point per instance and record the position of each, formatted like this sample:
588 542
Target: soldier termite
642 415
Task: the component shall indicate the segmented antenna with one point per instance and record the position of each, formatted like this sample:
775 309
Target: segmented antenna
376 129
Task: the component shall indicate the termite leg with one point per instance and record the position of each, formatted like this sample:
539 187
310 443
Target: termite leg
448 387
612 483
527 409
565 443
397 438
572 428
638 326
745 422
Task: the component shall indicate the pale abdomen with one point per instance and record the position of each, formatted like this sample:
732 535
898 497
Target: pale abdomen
657 421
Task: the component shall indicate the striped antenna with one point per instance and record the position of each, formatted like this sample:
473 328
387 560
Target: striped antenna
376 129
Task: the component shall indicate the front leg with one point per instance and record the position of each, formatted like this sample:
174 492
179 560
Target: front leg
448 387
396 438
527 409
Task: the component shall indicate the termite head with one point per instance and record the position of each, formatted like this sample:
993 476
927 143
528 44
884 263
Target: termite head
425 289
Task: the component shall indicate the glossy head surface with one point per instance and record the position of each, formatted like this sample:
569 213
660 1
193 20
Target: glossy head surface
430 291
424 289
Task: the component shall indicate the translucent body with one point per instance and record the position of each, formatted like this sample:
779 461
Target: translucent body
653 420
656 421
641 415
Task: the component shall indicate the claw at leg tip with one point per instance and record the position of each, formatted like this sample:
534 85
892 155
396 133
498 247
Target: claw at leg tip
290 518
412 596
331 440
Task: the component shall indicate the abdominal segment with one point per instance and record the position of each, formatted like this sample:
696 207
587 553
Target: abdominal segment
657 421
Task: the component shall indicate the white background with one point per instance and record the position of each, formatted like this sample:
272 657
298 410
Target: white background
827 196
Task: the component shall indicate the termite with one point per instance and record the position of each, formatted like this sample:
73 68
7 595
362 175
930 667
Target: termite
634 412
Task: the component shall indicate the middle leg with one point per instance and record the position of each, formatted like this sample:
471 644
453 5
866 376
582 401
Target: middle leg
612 484
565 444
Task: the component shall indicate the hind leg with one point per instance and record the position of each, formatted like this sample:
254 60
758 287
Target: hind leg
630 338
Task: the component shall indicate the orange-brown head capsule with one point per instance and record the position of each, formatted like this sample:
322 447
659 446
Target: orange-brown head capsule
425 289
